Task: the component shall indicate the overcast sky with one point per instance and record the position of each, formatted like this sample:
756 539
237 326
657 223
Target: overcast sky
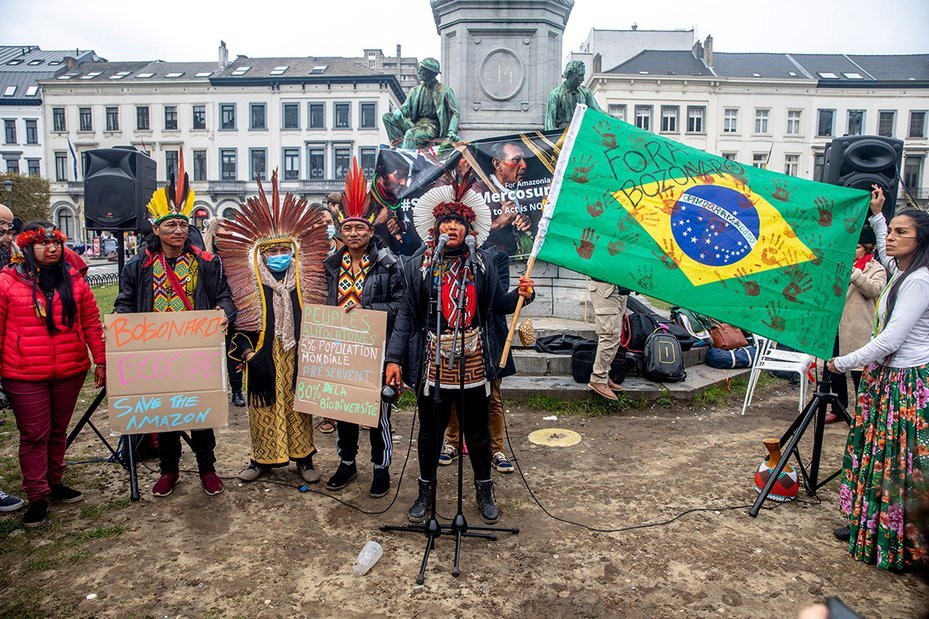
191 29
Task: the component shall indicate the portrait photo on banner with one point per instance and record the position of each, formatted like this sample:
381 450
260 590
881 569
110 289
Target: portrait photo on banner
513 174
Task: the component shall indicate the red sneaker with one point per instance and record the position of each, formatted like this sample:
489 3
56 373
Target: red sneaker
165 484
212 484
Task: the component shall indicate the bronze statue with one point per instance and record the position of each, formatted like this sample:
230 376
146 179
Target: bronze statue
563 98
429 112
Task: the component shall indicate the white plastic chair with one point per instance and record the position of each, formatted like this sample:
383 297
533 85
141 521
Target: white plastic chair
770 358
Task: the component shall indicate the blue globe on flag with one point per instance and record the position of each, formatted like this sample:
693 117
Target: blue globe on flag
714 225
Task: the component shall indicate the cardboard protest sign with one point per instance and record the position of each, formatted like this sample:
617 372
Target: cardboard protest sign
340 362
166 371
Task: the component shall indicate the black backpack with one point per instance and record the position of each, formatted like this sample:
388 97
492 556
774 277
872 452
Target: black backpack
582 362
664 361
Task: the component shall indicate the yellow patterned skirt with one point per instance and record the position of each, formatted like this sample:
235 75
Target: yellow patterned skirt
279 433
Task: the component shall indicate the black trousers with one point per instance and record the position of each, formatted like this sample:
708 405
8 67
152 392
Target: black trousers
381 442
840 381
169 450
474 418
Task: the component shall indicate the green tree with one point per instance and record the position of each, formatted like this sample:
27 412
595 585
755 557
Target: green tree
31 196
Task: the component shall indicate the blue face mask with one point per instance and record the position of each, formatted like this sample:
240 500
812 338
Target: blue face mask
330 231
280 262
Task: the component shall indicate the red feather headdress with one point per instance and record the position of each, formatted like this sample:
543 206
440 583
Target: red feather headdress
355 198
261 224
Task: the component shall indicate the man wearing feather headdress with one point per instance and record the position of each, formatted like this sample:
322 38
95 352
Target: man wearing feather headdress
273 255
459 212
174 276
363 275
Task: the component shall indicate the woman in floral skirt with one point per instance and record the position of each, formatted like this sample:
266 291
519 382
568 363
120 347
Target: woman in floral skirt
886 467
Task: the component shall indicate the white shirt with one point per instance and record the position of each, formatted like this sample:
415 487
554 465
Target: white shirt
904 341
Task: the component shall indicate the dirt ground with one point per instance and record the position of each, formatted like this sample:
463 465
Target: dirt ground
265 550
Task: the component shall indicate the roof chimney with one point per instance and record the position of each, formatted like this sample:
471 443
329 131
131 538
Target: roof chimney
223 55
399 56
70 62
697 49
635 26
597 65
708 50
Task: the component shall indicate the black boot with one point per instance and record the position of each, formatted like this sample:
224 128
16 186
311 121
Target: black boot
238 399
490 513
423 503
843 534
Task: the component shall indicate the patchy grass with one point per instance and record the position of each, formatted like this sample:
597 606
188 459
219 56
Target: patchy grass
407 400
95 511
588 407
105 296
54 562
104 532
22 605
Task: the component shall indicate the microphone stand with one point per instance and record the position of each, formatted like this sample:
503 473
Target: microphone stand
459 527
431 528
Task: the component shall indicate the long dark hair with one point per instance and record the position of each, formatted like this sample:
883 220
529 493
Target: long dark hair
59 277
918 259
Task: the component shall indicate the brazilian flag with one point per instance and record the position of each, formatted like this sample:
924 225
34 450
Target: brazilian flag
766 252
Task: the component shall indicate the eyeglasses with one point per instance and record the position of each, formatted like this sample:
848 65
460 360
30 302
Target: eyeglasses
5 226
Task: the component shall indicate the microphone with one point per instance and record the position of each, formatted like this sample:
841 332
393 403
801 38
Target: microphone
440 247
472 247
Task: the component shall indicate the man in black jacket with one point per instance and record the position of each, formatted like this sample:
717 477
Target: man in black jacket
464 313
173 275
363 275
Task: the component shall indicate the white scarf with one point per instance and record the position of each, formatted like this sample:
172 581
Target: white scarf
282 304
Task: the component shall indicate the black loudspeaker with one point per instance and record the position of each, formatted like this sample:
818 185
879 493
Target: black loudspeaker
118 184
860 161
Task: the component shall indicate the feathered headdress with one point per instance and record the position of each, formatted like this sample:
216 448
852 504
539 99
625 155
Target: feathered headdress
355 199
456 199
261 224
175 200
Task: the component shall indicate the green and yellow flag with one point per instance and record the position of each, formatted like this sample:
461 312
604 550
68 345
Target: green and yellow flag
766 252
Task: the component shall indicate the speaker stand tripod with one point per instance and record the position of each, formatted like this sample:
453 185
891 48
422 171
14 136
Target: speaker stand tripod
815 410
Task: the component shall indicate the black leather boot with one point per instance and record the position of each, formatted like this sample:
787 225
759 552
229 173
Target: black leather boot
490 513
420 508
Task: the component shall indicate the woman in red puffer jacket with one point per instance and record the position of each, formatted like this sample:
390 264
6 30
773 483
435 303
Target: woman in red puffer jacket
48 319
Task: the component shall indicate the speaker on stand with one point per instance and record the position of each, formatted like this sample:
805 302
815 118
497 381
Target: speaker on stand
118 184
860 161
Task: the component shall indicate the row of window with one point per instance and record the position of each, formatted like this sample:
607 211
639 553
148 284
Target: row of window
228 117
825 125
10 135
912 165
33 166
290 168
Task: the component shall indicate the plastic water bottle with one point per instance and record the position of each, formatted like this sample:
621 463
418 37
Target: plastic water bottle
368 556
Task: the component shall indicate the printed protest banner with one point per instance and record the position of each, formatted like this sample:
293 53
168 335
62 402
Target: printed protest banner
767 252
166 371
339 364
513 174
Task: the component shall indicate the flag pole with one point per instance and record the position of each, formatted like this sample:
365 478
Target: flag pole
565 143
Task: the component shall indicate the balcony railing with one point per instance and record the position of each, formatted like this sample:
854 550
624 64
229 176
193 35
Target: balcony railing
236 187
76 187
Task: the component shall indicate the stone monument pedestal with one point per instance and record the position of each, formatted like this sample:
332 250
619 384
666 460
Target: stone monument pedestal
502 58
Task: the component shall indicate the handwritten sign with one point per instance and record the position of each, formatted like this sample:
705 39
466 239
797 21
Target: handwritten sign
166 371
339 363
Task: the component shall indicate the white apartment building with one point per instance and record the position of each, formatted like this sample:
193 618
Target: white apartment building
307 117
774 110
21 69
